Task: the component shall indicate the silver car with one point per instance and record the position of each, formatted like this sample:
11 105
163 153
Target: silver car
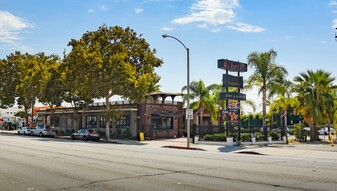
43 130
324 131
24 131
85 135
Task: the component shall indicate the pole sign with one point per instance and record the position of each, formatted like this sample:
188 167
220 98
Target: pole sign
232 81
232 66
189 113
232 95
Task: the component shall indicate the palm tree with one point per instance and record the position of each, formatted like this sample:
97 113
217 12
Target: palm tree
281 87
265 70
203 99
316 100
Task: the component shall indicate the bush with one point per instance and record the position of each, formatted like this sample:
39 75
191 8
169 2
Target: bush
215 137
300 133
259 136
245 137
126 133
274 135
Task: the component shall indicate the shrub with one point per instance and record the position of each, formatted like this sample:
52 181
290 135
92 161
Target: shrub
300 133
245 137
274 135
215 137
126 133
259 136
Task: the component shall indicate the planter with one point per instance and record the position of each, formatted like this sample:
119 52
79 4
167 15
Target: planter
230 141
269 139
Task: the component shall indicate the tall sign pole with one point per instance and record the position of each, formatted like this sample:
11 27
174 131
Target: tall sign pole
233 107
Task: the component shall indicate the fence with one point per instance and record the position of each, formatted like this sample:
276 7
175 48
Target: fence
202 130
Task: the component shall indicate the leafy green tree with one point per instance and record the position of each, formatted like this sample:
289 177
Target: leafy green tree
114 61
314 89
7 83
27 78
265 70
50 86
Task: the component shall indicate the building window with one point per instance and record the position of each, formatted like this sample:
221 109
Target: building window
123 122
91 121
159 122
102 122
55 121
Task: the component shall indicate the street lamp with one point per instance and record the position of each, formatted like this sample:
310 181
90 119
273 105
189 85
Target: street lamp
188 86
336 35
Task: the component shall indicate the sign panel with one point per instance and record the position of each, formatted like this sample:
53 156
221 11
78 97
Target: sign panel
232 81
232 66
189 113
233 115
233 104
232 95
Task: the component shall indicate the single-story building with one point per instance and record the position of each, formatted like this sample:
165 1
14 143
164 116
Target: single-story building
160 116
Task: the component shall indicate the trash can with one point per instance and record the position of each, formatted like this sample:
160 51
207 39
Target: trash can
141 136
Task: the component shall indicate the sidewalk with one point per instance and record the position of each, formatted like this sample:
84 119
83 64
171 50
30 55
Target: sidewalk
321 150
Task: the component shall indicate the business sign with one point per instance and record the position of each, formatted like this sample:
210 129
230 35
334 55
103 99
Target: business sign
232 81
233 104
232 95
232 66
234 115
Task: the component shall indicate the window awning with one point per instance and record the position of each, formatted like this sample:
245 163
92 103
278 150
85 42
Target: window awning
166 114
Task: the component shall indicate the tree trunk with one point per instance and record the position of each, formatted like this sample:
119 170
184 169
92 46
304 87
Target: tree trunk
26 112
264 108
201 118
282 121
329 131
286 124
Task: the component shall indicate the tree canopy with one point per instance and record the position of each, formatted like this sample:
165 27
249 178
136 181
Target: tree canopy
112 61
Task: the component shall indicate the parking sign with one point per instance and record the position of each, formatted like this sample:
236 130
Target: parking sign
189 113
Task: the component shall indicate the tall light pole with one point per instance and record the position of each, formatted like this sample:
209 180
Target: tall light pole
188 86
336 35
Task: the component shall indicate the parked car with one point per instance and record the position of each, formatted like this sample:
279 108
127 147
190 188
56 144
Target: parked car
306 128
43 130
86 135
279 129
24 131
324 131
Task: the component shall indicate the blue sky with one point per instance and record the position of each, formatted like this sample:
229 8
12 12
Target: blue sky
301 31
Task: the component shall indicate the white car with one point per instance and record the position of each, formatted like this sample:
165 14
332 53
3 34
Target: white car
324 131
43 130
24 131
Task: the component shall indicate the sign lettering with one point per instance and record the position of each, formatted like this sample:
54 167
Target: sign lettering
232 66
232 95
232 81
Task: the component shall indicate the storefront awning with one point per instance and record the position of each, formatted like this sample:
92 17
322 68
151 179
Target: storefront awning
168 114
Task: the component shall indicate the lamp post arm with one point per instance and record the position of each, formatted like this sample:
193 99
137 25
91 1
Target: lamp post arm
165 36
188 86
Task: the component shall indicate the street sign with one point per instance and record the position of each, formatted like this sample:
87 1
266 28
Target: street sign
189 113
232 66
232 81
232 95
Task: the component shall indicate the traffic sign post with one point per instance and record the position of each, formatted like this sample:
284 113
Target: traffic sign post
189 114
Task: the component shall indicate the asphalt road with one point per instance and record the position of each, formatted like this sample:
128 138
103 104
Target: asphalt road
33 163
